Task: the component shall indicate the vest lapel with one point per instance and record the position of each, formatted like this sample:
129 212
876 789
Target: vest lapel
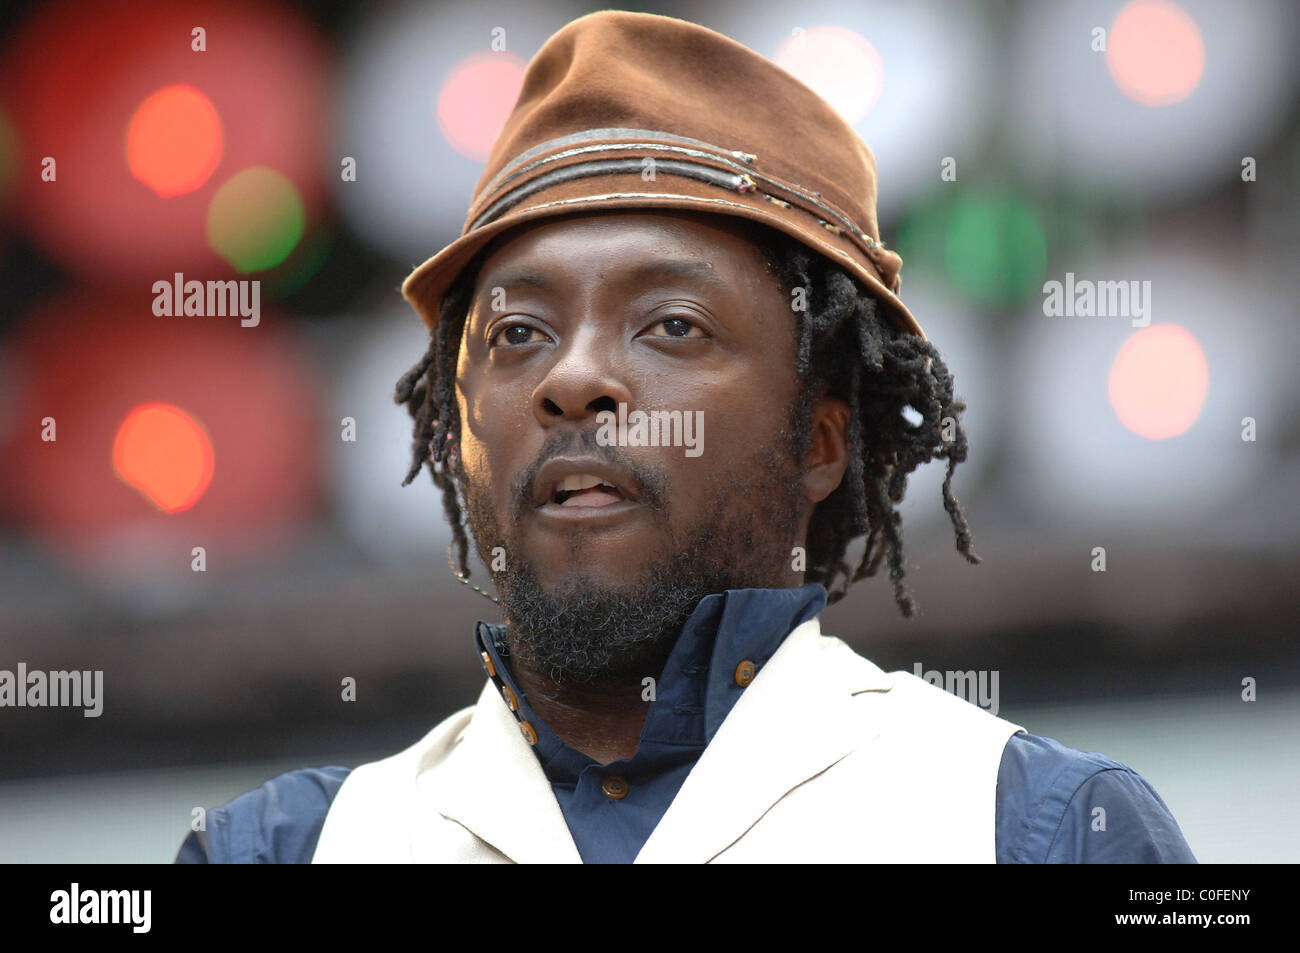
494 786
794 721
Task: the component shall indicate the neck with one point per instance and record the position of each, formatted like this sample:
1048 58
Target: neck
604 718
603 721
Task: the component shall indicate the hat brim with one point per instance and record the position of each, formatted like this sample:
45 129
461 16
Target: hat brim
425 287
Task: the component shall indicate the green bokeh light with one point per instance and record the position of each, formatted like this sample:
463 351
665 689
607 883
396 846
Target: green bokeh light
990 245
255 219
995 251
301 266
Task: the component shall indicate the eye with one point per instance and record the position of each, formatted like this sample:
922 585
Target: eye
514 334
677 327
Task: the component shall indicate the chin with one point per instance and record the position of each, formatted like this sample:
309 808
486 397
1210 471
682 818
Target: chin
589 575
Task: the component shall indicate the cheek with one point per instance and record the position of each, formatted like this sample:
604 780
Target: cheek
489 433
473 442
476 440
740 415
740 425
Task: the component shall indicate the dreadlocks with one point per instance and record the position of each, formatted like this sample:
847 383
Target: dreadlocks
844 350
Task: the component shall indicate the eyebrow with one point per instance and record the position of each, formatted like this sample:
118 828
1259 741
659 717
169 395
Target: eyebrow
649 272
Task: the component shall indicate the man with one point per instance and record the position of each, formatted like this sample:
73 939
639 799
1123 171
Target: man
672 229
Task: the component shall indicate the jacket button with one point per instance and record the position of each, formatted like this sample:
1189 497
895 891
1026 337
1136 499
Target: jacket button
614 787
744 673
527 731
488 666
509 696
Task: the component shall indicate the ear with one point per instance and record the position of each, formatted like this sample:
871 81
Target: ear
828 453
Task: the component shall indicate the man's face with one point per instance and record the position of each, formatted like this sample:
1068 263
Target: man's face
657 312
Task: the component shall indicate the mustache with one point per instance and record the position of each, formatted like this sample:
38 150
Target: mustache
652 482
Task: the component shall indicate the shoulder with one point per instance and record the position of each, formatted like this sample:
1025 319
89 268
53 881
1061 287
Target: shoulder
278 823
1056 804
910 710
281 821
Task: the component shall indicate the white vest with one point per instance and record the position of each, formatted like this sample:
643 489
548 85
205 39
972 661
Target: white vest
825 758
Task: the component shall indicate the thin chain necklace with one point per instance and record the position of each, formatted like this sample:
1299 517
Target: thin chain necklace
456 572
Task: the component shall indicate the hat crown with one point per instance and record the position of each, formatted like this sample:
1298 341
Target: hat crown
625 71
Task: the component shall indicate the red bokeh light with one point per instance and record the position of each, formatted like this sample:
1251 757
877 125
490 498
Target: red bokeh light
1159 381
173 143
76 73
100 368
1155 52
476 100
165 454
840 64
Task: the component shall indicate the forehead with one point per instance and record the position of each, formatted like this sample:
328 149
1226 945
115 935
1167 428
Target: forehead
734 248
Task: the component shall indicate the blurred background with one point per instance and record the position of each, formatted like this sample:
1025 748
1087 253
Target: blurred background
327 148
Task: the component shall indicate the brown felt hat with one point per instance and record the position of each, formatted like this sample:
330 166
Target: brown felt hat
627 110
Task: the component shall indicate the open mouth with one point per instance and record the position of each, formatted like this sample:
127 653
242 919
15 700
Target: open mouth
585 489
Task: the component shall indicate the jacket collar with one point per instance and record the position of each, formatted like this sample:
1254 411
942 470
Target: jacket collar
791 723
698 686
494 786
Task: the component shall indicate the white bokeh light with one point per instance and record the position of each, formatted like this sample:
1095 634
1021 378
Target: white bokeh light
930 96
413 188
1074 122
1072 455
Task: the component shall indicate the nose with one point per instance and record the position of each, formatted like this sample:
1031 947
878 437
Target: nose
584 380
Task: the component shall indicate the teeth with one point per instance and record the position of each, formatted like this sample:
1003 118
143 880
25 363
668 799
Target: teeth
580 481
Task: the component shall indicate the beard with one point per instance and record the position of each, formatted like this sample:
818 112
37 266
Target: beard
586 630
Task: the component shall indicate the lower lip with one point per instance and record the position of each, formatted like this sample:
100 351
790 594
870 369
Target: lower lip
586 516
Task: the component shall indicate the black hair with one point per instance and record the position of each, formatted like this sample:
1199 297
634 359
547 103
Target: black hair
844 349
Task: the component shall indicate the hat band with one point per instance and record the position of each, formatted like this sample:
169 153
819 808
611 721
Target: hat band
745 175
693 170
603 135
